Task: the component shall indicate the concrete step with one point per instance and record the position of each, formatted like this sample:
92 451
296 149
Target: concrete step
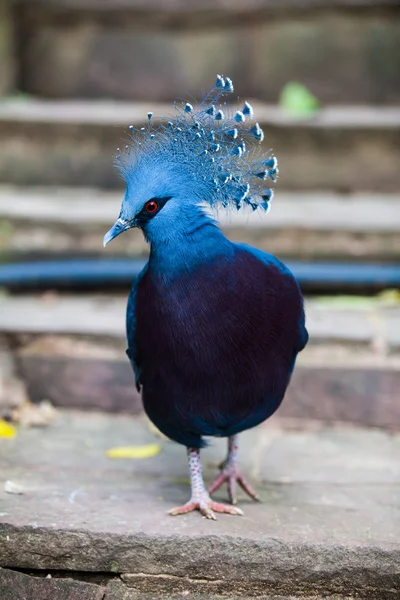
58 221
343 149
71 350
328 525
346 51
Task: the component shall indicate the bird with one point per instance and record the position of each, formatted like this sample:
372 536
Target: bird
213 326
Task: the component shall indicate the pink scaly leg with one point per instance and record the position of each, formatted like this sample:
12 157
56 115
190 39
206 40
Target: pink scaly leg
200 499
231 474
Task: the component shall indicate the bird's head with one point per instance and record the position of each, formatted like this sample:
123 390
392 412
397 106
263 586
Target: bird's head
160 192
198 157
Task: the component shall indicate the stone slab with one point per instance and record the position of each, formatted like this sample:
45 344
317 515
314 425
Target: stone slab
104 315
302 225
344 51
71 350
322 211
7 49
18 586
349 371
118 591
12 390
329 521
72 143
123 113
309 225
23 240
195 6
330 384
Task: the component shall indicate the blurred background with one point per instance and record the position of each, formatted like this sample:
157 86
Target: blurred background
324 79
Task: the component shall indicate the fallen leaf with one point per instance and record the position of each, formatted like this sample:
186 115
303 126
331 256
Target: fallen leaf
13 488
138 452
7 430
389 297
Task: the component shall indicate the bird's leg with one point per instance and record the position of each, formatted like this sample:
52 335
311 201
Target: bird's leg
231 474
200 500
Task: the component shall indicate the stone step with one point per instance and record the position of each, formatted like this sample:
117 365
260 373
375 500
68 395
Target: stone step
350 321
71 350
60 221
328 525
344 149
345 51
18 585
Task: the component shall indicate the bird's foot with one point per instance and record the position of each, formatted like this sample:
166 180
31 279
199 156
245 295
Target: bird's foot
206 506
232 476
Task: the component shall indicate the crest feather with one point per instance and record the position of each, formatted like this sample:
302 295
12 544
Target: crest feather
217 154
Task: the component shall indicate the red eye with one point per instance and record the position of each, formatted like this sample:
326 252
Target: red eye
151 206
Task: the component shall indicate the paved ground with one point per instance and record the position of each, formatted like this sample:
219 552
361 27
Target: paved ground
329 521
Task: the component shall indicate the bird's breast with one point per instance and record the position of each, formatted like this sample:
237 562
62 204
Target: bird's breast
216 346
229 312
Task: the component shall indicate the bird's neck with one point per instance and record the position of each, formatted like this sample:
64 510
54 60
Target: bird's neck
192 241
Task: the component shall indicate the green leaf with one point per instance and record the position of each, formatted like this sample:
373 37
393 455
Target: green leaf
297 100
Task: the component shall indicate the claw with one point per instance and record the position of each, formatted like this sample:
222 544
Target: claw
200 499
207 508
233 477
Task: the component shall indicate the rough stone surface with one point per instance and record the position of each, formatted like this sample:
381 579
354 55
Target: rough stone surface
35 586
61 220
104 315
70 206
329 521
12 388
350 371
73 144
197 6
7 70
58 221
119 591
23 239
18 586
74 49
335 384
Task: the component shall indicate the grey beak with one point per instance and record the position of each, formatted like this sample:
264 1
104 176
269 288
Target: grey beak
119 227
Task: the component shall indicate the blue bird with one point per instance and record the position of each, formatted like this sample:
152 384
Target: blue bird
213 327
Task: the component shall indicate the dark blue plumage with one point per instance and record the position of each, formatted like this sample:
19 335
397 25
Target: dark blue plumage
213 327
215 347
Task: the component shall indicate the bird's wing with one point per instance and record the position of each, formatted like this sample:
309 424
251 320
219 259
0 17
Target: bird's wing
131 328
268 260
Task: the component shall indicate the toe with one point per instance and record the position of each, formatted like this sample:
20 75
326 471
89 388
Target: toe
207 508
182 510
232 490
207 512
248 489
218 507
216 484
233 478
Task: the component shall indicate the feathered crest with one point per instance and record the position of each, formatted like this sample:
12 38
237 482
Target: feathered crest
218 153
